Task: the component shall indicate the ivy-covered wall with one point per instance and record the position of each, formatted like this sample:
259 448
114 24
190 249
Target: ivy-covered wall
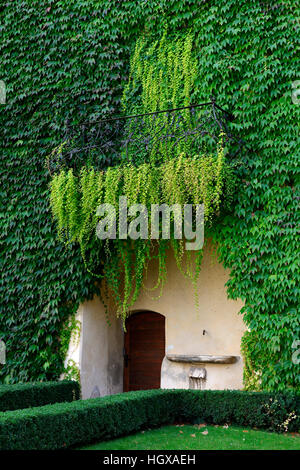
58 60
71 60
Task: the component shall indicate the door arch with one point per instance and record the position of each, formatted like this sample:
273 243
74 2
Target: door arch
144 350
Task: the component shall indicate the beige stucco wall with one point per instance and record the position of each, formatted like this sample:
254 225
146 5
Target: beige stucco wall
101 345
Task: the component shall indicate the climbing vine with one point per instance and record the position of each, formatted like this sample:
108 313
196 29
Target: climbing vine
162 76
74 201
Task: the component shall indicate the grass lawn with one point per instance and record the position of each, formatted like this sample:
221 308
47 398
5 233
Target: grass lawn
183 437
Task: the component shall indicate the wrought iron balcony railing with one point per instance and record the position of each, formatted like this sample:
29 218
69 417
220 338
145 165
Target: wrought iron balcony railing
189 129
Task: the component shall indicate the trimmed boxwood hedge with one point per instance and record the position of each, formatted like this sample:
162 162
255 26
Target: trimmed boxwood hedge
15 397
84 421
70 59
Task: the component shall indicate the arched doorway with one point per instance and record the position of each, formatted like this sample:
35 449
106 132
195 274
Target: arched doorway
144 350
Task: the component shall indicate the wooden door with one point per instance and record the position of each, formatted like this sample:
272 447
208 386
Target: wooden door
144 351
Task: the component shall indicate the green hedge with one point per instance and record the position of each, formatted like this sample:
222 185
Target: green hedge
19 396
71 424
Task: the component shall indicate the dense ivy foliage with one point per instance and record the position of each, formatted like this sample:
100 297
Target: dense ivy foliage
71 60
